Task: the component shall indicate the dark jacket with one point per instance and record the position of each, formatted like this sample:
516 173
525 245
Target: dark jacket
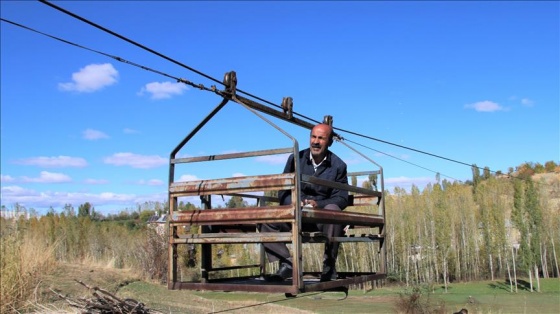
332 169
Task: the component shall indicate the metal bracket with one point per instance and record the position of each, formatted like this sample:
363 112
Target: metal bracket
230 81
287 106
328 120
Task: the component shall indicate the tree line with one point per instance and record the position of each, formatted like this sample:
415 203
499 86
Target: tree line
497 226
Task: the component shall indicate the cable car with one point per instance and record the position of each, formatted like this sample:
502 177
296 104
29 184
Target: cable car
211 227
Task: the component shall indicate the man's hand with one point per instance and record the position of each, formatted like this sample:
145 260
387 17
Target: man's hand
309 203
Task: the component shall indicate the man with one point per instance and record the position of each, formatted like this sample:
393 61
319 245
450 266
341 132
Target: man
318 161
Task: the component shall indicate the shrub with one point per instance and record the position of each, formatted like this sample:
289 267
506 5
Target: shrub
24 258
419 300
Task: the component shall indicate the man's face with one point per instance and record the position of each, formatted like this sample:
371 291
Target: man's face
319 141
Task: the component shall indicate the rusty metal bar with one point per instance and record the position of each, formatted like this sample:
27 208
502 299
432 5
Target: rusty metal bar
234 216
257 286
364 200
365 238
363 173
194 131
275 113
172 251
233 185
231 238
340 186
261 199
235 267
356 278
310 215
233 155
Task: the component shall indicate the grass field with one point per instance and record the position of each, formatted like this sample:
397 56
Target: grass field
481 297
495 297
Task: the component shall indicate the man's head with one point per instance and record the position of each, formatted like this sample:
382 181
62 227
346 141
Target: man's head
321 139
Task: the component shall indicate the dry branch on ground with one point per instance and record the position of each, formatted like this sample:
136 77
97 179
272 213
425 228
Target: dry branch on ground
105 302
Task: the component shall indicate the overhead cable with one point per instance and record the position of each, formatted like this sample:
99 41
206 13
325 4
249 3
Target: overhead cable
406 161
201 86
215 80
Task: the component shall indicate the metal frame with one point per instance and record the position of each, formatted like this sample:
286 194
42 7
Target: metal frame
242 222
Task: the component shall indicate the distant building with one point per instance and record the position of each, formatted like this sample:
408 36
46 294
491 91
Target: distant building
158 223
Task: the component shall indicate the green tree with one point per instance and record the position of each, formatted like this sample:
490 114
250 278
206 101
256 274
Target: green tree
236 202
535 223
372 178
145 215
68 210
522 221
475 177
84 210
51 212
550 166
486 173
539 168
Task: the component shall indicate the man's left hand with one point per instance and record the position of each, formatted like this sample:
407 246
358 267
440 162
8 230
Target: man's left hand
311 203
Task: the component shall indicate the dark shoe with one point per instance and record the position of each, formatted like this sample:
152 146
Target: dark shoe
284 272
329 273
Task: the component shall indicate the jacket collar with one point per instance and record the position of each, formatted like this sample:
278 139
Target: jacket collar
307 156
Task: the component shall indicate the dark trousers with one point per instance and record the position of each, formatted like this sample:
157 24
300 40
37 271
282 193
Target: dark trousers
278 251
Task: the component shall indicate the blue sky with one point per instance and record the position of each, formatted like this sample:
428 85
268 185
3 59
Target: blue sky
476 82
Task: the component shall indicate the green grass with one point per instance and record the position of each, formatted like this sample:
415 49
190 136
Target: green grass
489 297
495 297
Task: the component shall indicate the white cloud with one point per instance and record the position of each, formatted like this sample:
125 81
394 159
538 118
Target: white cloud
353 160
163 90
91 78
162 196
91 134
527 102
406 182
53 162
135 161
95 181
31 198
152 182
485 106
112 197
273 159
6 178
405 156
188 177
130 131
238 174
48 177
14 190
